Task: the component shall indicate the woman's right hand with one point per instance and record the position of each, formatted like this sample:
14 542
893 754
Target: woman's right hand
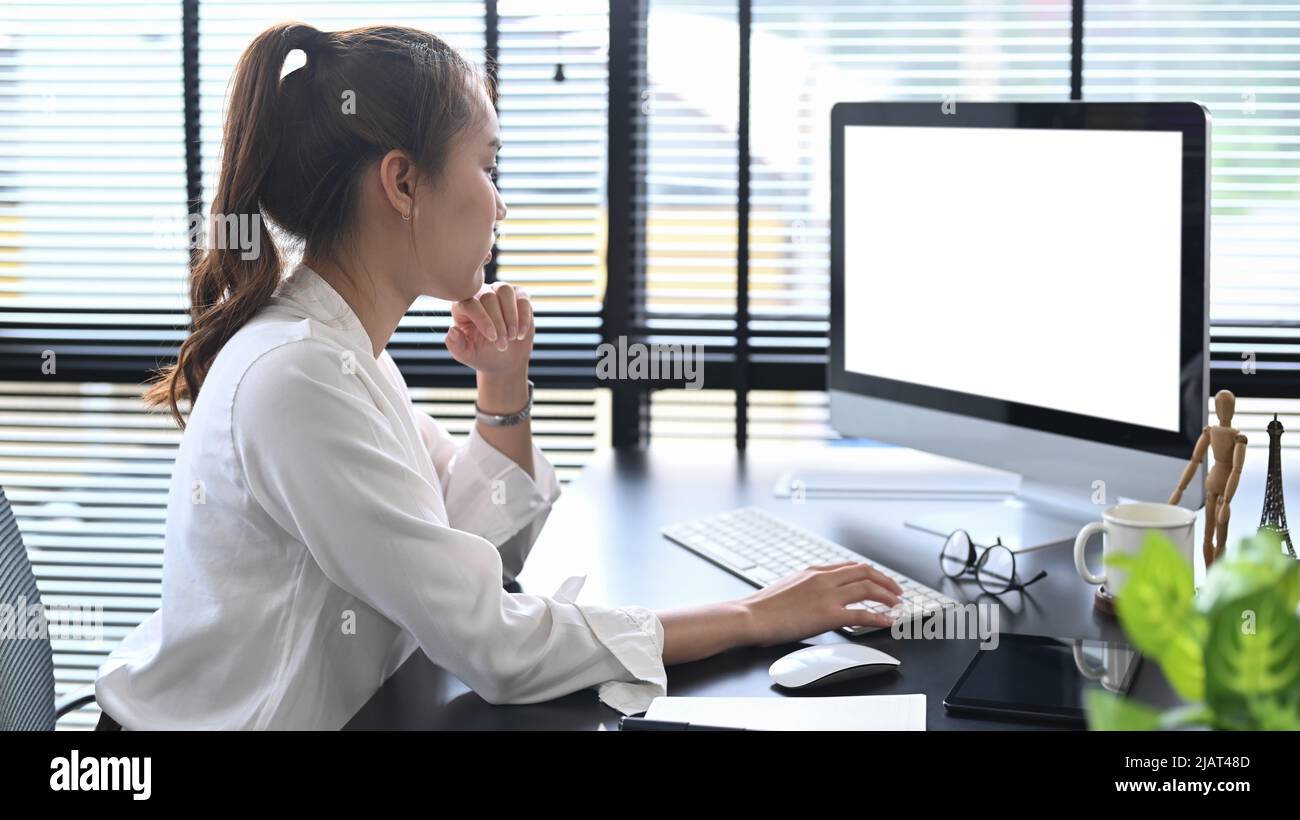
813 601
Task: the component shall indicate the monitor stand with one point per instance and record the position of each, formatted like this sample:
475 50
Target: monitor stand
1031 519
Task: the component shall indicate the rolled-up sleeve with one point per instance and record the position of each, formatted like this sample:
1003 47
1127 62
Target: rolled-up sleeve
488 494
326 464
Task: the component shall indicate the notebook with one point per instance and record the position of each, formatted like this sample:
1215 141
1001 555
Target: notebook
855 713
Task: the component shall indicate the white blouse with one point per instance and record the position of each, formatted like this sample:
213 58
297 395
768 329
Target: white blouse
320 529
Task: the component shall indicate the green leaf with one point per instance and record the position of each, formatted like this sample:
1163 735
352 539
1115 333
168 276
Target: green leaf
1257 564
1263 542
1253 650
1275 715
1193 714
1108 712
1155 607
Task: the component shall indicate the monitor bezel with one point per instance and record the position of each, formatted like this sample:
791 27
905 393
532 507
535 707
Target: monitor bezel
1189 118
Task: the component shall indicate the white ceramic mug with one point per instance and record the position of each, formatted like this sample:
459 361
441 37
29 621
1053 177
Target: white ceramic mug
1124 527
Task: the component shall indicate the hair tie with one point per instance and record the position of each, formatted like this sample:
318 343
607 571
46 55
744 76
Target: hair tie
308 39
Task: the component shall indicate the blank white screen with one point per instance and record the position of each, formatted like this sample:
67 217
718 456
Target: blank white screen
1032 265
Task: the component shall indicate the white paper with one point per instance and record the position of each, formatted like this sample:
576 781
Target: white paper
856 713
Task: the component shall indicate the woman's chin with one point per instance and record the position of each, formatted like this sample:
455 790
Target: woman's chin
473 286
470 289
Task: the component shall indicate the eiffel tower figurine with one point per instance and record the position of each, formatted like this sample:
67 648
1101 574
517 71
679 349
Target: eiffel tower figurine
1273 518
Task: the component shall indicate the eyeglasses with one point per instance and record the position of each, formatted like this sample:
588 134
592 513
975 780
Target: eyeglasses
994 568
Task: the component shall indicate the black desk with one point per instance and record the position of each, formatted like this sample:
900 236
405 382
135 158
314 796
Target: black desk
606 525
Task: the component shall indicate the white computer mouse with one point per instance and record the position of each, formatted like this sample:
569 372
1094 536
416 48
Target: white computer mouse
834 663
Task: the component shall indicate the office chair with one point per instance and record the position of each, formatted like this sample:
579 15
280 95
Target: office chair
26 664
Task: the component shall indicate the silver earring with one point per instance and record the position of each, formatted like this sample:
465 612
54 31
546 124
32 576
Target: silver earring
406 217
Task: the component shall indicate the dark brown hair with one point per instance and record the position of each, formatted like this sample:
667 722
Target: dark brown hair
294 150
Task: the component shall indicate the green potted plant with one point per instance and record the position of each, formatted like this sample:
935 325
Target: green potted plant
1231 651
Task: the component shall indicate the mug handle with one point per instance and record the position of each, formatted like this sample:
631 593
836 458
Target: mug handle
1081 663
1082 541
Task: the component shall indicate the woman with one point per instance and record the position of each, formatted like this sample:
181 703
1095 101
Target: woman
319 528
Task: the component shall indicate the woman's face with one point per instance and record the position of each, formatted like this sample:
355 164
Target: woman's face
454 217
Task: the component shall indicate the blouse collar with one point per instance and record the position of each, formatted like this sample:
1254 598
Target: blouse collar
309 291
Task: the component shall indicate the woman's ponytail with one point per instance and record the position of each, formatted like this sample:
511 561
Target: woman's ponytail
240 269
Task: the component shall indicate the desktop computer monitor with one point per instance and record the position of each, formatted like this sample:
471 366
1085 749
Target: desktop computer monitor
1023 286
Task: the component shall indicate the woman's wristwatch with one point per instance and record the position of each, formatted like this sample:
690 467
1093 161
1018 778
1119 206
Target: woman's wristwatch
497 420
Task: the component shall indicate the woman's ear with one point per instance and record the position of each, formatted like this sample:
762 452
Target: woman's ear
397 174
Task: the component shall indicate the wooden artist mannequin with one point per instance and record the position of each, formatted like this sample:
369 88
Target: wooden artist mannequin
1228 446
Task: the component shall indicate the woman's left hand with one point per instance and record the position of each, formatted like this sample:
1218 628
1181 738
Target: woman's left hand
492 331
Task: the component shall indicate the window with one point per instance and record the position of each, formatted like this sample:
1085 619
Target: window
686 214
94 157
1243 63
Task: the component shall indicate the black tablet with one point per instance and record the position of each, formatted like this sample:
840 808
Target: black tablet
1030 677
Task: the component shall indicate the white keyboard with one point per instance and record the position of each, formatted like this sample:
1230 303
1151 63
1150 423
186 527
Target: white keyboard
761 548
